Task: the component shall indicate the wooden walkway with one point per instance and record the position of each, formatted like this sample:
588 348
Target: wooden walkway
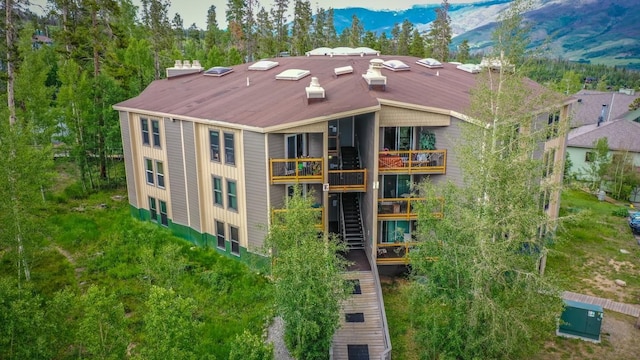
370 332
627 309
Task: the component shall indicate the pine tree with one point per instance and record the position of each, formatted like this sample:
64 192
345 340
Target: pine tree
356 33
404 37
279 15
463 52
417 44
300 29
212 34
265 40
155 19
331 34
440 33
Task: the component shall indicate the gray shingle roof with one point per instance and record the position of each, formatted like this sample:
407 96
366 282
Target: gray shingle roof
621 135
589 106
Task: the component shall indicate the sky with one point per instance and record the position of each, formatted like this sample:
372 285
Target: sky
195 11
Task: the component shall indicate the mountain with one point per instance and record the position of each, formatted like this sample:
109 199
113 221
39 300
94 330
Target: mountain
597 31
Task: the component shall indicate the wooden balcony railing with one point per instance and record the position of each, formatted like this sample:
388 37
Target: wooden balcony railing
403 208
348 180
413 161
299 170
277 217
396 253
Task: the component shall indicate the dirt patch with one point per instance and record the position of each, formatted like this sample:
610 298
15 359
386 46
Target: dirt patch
619 265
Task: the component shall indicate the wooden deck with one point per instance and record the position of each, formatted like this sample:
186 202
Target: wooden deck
627 309
371 331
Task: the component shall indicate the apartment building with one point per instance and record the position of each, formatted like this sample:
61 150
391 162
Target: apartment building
213 154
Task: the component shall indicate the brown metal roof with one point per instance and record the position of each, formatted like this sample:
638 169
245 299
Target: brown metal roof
268 102
589 107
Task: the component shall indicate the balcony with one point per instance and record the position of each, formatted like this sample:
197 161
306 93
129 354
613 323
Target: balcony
396 253
403 208
300 170
413 161
348 180
277 216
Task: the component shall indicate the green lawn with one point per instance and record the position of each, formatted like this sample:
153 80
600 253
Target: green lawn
94 241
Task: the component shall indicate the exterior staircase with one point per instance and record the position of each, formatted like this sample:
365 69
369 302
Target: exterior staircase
349 157
352 232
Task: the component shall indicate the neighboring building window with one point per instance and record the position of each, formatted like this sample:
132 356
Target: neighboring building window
235 240
144 123
232 195
160 173
214 143
549 162
220 234
148 166
217 191
155 128
164 219
153 209
590 156
229 146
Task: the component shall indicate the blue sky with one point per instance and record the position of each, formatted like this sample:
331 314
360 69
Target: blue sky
195 11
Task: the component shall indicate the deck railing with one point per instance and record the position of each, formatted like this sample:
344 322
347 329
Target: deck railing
396 253
413 161
299 170
404 208
346 180
277 216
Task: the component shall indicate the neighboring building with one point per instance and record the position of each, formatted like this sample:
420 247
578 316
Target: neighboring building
593 106
606 115
212 155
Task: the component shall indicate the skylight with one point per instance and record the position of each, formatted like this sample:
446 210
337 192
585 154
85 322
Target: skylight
263 65
218 71
430 63
395 65
292 74
470 68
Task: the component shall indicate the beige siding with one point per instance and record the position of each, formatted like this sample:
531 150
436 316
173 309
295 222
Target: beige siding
448 137
143 152
395 116
207 168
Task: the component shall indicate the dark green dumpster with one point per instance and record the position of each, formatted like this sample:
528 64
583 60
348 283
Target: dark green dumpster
581 320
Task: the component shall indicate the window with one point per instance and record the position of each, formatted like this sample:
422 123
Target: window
232 197
549 162
229 154
155 128
220 234
160 173
235 240
144 123
554 118
153 209
217 191
590 156
214 144
164 220
148 166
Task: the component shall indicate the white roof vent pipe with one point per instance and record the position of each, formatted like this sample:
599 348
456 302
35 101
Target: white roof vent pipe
178 64
314 90
184 67
374 76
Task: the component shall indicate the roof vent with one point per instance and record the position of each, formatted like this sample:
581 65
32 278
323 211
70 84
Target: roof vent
374 76
218 71
263 65
184 67
395 65
292 74
314 90
343 70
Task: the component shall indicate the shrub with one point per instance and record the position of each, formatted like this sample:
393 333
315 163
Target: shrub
621 211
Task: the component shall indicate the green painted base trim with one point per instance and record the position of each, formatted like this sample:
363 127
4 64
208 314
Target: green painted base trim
254 260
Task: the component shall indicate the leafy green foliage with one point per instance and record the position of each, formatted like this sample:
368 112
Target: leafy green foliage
308 282
248 346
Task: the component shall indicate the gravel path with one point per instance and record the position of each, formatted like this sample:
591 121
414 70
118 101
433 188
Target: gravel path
275 335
